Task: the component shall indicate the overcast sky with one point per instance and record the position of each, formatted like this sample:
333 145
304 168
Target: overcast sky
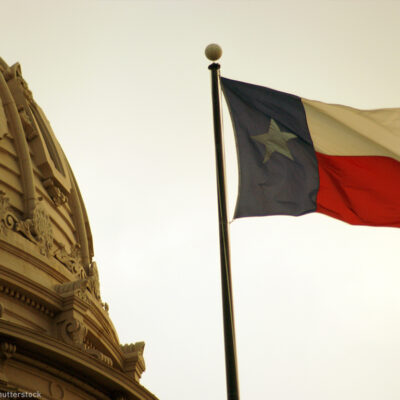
126 88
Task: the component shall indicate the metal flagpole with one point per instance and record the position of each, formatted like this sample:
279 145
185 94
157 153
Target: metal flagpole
213 53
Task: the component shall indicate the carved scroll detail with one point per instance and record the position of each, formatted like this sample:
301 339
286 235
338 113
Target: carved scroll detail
36 229
71 260
5 215
41 228
73 331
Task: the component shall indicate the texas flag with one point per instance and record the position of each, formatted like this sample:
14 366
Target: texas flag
298 156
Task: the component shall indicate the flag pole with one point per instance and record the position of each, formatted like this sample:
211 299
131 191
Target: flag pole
213 53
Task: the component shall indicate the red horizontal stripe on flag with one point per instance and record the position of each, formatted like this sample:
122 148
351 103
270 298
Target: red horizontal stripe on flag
360 190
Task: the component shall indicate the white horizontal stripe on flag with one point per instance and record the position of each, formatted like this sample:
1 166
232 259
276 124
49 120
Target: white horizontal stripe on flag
341 130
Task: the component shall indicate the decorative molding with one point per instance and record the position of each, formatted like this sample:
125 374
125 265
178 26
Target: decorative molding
99 356
36 229
73 331
58 353
7 350
25 299
91 349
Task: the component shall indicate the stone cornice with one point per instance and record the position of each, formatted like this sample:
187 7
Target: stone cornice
25 286
52 303
76 362
34 295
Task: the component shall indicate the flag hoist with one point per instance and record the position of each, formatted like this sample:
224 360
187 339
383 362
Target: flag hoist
213 53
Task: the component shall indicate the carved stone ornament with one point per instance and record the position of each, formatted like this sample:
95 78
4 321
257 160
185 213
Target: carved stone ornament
72 260
7 350
73 331
37 229
94 283
41 227
29 128
5 217
56 194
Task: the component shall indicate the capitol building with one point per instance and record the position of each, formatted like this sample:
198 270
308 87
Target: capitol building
56 338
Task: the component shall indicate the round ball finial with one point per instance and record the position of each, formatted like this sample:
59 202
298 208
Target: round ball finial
213 52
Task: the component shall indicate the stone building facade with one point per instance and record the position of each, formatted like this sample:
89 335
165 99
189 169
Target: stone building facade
56 338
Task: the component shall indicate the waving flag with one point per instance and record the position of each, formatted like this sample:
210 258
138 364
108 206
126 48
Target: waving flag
298 156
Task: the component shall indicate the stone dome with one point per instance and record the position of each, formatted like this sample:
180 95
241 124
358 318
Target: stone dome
56 337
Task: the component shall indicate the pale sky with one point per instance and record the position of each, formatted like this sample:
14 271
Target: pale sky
126 88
